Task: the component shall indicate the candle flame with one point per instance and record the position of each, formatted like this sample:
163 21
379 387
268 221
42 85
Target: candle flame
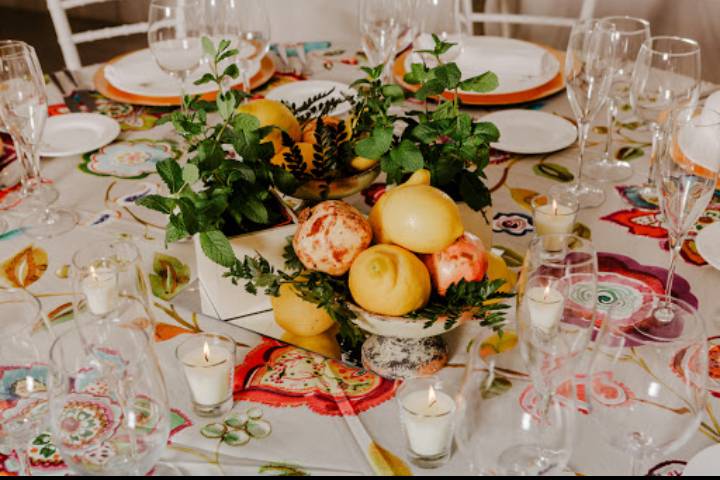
555 207
432 397
547 292
206 351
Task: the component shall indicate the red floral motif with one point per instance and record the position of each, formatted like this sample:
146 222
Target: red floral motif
280 375
681 363
638 222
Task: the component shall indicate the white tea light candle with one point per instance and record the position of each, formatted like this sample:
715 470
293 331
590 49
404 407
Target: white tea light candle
545 305
428 416
100 288
554 216
209 363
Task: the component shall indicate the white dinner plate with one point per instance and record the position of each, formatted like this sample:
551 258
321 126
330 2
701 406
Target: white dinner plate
531 132
77 133
705 463
519 65
708 244
298 92
137 73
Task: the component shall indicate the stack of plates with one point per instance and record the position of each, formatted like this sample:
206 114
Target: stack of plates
136 78
526 71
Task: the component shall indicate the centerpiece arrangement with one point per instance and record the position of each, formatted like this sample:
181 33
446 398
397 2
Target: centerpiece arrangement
231 195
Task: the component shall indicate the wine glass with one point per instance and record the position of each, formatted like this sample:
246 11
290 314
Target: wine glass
23 109
23 372
686 175
441 18
501 440
588 74
630 34
108 401
666 76
380 25
410 23
175 30
251 25
647 381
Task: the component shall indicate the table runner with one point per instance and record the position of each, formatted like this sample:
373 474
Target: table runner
325 417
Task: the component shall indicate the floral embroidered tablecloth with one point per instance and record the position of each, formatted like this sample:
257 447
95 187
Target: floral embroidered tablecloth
311 415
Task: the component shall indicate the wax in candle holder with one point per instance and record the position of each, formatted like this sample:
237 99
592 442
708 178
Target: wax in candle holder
209 365
427 415
545 306
99 286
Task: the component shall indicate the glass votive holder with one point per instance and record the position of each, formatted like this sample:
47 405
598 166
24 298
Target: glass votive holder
427 414
554 214
208 362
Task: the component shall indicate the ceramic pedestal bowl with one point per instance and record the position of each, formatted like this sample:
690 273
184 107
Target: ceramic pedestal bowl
399 347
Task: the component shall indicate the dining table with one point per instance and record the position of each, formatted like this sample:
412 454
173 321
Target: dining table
324 416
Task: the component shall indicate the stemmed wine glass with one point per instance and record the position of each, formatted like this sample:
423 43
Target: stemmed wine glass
109 409
23 372
23 109
588 74
647 381
252 24
666 76
380 24
442 18
686 175
497 440
630 34
175 37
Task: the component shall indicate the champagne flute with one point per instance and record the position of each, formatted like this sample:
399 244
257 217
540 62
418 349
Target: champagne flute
588 74
380 25
686 175
647 381
441 18
410 23
23 109
630 34
253 37
666 76
175 30
24 372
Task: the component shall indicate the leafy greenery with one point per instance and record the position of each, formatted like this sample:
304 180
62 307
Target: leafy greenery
444 140
227 185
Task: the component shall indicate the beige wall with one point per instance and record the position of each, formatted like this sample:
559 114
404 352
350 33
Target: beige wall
294 20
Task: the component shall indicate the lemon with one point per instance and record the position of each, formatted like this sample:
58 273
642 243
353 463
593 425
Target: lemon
418 217
361 163
306 150
297 316
271 112
389 280
325 343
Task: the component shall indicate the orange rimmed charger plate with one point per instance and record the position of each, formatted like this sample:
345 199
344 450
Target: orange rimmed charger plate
267 70
554 86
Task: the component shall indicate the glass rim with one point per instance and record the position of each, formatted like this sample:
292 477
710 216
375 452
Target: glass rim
641 21
217 336
696 113
173 3
107 243
675 38
575 207
19 48
538 241
55 365
32 300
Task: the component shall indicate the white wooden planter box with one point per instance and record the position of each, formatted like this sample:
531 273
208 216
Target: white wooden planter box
221 299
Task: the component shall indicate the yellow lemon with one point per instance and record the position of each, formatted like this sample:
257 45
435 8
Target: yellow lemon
389 280
271 112
498 269
419 217
306 150
298 317
325 344
361 163
419 177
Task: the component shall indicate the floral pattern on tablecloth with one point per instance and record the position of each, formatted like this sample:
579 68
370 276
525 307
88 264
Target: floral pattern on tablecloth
130 159
280 375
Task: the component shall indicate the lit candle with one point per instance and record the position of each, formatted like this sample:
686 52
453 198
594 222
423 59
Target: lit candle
428 420
209 373
553 218
100 288
546 306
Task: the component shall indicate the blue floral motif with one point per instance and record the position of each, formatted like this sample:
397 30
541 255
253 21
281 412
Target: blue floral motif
515 224
14 381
